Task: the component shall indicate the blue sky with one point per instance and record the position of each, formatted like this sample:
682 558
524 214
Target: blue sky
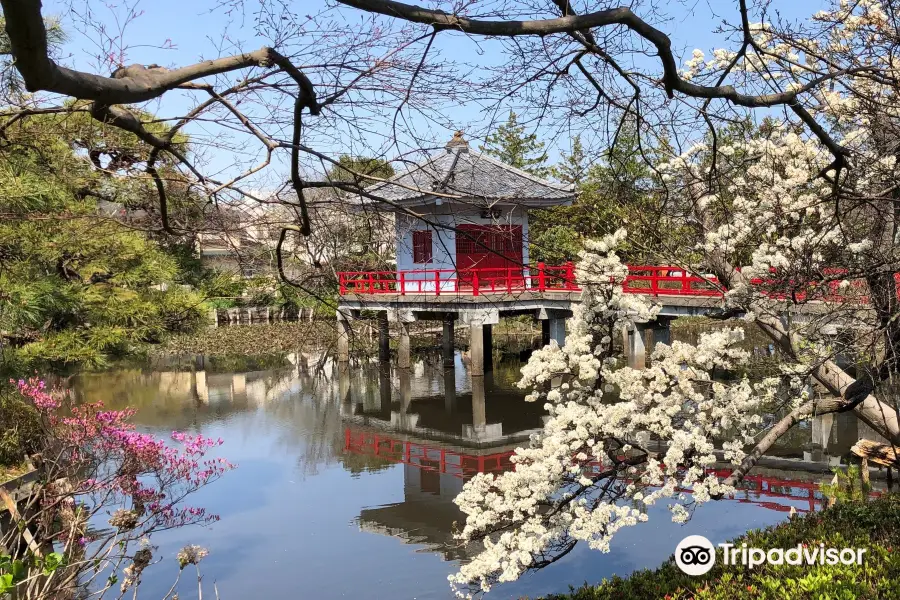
195 29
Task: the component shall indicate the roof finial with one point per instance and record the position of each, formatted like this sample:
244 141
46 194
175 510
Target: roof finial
458 142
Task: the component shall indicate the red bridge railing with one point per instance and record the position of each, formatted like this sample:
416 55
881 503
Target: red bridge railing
669 281
647 280
468 282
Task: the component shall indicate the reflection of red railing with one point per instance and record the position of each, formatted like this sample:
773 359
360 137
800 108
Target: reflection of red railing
458 464
468 282
773 487
425 457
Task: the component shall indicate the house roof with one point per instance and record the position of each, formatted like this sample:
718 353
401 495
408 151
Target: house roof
475 177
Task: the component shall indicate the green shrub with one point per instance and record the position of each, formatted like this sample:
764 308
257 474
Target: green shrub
20 434
873 525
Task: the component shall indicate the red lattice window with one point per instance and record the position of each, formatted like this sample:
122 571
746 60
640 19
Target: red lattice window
422 246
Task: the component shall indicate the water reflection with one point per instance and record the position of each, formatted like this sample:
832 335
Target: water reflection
360 465
443 405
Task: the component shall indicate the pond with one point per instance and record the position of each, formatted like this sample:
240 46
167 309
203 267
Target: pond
346 478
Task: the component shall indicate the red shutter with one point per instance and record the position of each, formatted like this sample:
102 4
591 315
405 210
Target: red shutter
422 246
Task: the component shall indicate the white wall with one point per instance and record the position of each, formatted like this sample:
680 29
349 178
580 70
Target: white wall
449 216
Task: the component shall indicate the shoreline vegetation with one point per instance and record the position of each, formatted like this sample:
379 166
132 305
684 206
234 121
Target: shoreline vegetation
267 339
870 525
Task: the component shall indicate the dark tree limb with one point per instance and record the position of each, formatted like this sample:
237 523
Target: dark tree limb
137 83
580 26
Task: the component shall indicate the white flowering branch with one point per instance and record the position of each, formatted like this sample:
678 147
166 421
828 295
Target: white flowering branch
587 474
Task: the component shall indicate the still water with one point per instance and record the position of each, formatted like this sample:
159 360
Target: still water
346 479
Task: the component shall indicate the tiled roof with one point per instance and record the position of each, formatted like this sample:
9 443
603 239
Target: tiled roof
472 176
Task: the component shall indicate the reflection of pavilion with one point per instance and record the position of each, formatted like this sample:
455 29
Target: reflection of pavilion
434 405
442 432
433 475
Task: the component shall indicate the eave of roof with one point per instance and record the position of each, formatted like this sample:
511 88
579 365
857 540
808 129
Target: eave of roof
474 178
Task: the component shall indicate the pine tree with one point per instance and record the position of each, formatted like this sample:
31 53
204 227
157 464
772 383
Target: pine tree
573 167
349 166
511 145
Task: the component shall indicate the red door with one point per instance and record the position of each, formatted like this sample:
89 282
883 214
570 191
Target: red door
492 253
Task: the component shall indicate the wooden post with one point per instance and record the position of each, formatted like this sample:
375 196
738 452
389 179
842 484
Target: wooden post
541 280
488 348
384 386
384 338
475 283
437 283
448 342
402 276
13 509
449 390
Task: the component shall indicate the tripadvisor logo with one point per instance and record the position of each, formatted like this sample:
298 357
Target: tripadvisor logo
696 555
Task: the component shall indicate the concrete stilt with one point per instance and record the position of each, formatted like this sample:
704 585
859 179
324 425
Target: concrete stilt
479 408
343 339
557 328
476 350
488 348
201 386
662 333
384 338
238 385
448 342
545 332
637 351
403 346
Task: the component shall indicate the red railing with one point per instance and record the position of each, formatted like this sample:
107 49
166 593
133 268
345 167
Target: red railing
669 281
469 282
648 280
